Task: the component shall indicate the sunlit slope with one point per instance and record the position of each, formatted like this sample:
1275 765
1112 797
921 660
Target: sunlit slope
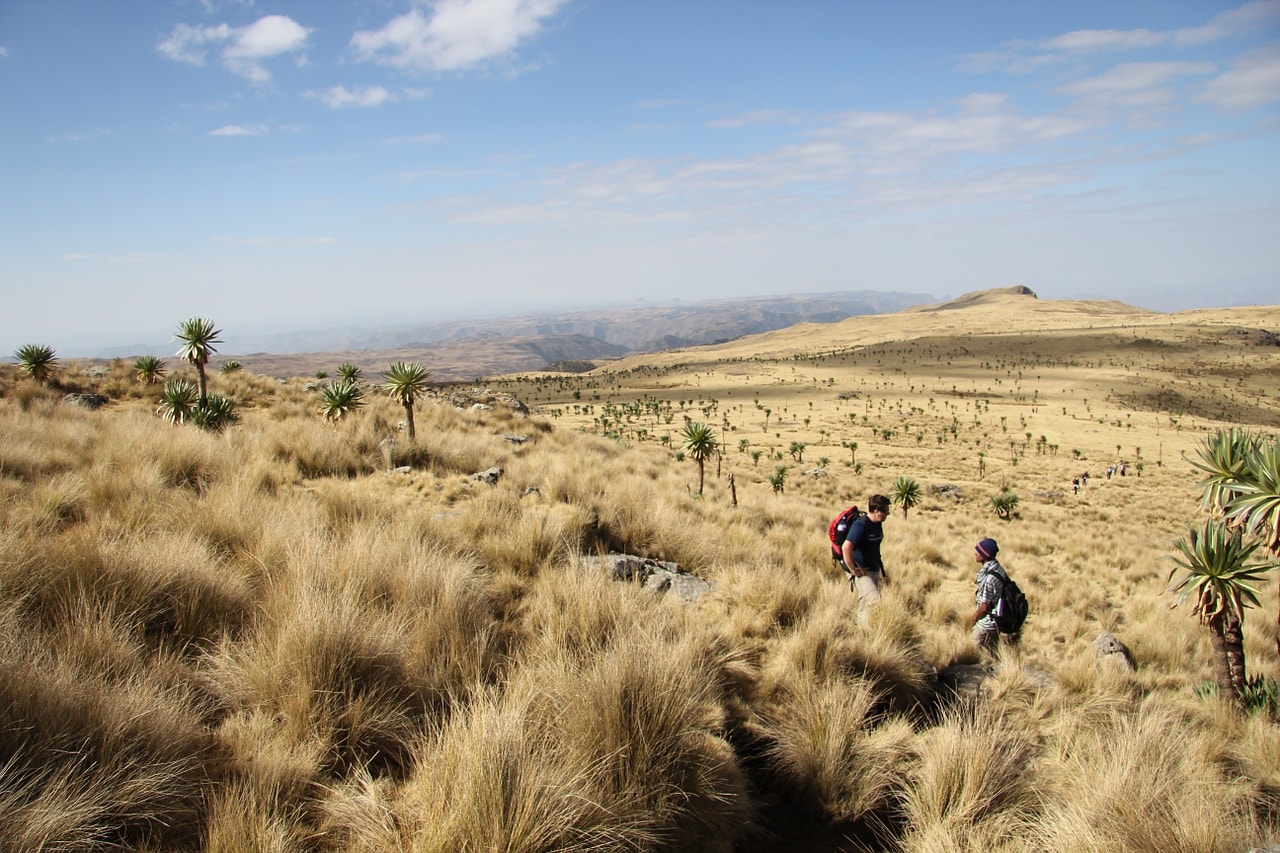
988 312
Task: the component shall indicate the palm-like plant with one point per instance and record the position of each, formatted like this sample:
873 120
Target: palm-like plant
38 361
149 369
231 366
178 400
1219 578
405 381
1224 459
701 443
906 494
341 399
217 413
349 372
198 337
1005 503
1256 505
778 479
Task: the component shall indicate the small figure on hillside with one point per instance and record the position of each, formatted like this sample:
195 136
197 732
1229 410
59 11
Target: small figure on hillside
1122 469
1084 478
1110 469
997 600
861 552
1075 486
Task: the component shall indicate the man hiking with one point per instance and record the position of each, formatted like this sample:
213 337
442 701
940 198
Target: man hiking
999 605
861 552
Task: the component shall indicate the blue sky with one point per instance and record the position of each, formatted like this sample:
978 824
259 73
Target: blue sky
278 166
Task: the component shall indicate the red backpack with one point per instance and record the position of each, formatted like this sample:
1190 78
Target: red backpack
839 529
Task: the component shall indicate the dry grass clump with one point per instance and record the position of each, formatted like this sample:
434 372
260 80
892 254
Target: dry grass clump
971 787
832 743
97 755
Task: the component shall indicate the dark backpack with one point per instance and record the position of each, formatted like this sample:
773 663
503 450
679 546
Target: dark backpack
838 530
1013 608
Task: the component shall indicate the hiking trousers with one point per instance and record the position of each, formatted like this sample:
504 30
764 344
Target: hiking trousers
868 589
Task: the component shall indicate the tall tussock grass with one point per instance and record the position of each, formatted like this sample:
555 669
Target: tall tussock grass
300 635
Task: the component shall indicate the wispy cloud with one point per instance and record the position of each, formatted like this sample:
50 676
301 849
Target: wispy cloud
859 164
1253 81
418 139
261 241
456 35
240 50
82 136
758 117
1243 19
240 130
105 258
1026 56
338 97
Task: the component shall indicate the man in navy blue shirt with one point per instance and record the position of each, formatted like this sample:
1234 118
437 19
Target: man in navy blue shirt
861 551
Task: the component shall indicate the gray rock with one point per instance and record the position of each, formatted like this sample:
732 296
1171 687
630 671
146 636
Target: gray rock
490 476
947 490
515 439
1112 652
85 401
658 577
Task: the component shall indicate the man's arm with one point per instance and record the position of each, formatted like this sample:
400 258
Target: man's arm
980 611
846 551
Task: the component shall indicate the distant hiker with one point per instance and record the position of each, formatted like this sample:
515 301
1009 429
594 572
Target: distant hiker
1109 470
1122 469
1000 607
1075 486
861 552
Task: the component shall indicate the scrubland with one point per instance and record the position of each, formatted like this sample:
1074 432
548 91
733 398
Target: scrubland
264 640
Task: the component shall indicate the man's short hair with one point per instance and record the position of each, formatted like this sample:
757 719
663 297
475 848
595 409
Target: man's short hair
878 503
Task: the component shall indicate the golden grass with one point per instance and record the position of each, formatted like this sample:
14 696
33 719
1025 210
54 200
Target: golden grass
265 640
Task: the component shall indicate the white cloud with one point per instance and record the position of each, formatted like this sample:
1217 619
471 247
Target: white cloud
1133 77
1090 41
4 51
338 97
240 49
1026 56
188 44
1253 81
240 130
1242 19
458 34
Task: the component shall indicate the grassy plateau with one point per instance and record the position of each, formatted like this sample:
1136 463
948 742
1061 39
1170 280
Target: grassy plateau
301 634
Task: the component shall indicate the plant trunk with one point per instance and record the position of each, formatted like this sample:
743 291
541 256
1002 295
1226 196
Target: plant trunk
204 383
408 416
701 472
1227 638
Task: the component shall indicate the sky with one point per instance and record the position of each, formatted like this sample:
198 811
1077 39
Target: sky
284 165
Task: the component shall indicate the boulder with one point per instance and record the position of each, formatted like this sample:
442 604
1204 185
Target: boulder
490 476
658 577
85 401
1112 652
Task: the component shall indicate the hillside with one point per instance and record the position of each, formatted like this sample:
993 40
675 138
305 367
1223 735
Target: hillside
469 349
300 633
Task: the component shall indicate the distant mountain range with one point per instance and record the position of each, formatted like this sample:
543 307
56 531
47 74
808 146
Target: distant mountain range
463 350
